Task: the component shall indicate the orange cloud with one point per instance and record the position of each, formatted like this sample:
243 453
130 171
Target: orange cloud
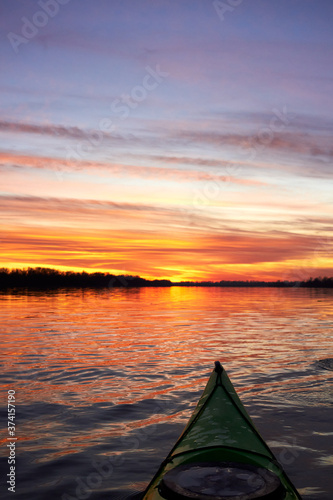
161 252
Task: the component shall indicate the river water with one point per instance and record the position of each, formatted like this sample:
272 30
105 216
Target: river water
105 381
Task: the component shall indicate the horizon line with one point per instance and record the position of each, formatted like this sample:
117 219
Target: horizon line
128 280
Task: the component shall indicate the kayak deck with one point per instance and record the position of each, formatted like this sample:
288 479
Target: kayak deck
220 439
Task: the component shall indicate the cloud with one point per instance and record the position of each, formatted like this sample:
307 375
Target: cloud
296 138
33 211
152 241
263 138
254 248
280 129
8 161
164 253
43 129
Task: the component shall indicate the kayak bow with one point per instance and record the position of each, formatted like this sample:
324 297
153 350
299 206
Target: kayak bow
220 455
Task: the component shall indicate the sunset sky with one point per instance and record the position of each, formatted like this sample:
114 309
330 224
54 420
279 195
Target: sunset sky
179 139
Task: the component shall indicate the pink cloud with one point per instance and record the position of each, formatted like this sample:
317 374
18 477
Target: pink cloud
121 170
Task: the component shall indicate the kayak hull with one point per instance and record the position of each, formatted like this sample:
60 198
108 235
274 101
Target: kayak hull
219 431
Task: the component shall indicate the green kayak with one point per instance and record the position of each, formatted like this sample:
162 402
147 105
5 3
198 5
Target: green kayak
220 454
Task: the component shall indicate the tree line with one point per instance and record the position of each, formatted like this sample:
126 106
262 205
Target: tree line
44 278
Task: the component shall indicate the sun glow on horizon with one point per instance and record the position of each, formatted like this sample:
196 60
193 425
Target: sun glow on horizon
171 157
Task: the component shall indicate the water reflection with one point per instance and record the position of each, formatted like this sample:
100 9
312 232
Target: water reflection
145 340
119 371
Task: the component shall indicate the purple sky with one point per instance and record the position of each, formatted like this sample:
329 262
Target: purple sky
218 117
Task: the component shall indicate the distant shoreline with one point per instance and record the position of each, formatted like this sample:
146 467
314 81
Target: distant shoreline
46 278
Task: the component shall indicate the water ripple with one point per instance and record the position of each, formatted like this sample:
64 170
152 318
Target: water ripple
111 377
